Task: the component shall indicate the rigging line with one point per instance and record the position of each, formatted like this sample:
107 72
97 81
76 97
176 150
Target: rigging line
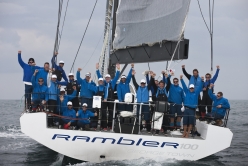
210 18
83 36
93 51
63 24
57 32
203 16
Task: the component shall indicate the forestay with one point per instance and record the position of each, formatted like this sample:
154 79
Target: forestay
148 22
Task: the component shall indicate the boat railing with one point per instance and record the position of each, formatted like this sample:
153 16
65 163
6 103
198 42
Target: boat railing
43 107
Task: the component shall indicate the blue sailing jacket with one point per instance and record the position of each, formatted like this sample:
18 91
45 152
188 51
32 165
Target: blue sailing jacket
40 92
196 81
62 105
42 74
85 91
143 95
53 91
123 88
191 98
71 113
56 67
85 116
176 94
221 101
27 69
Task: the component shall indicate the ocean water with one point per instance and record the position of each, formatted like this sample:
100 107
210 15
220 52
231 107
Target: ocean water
18 149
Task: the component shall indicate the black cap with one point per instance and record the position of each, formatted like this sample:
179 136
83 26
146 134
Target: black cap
31 59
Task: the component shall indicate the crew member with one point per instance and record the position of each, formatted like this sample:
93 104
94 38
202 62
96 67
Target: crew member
27 75
206 100
142 93
110 86
69 117
69 89
85 94
58 69
122 89
43 73
176 99
220 105
99 91
162 95
84 117
40 92
190 103
64 98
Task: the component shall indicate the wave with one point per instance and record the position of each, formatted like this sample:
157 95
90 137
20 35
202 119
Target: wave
17 145
11 131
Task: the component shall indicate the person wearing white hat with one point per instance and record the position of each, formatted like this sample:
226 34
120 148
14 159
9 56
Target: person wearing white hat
109 96
122 89
58 69
84 115
142 94
99 90
70 115
190 104
85 93
63 98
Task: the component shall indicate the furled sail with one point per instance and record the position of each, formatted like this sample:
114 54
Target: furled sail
149 21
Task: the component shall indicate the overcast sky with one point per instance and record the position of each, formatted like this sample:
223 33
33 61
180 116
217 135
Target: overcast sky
30 26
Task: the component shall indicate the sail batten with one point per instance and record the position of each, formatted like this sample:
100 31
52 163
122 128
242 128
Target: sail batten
148 22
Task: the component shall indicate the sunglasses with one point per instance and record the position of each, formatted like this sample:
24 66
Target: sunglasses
40 81
218 95
207 77
191 88
30 62
69 105
175 81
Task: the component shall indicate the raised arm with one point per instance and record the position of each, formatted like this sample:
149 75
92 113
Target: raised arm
153 82
79 79
216 75
98 72
129 76
22 64
185 72
210 92
147 78
33 79
117 75
168 84
185 89
64 76
134 81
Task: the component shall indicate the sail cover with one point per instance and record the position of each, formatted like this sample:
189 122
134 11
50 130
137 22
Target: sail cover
149 21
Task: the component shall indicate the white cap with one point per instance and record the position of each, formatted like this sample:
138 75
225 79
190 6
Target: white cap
70 74
61 62
143 81
100 79
107 75
123 76
87 75
191 86
62 90
54 76
69 103
85 105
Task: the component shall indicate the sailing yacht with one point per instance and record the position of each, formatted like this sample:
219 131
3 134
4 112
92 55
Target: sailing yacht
135 32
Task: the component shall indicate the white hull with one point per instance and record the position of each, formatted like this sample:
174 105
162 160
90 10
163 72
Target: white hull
82 145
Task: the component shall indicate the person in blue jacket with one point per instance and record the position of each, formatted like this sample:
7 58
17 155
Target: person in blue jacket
40 92
27 75
142 95
176 99
84 117
85 93
43 73
99 90
220 105
69 116
190 104
109 96
206 100
64 98
58 69
122 89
